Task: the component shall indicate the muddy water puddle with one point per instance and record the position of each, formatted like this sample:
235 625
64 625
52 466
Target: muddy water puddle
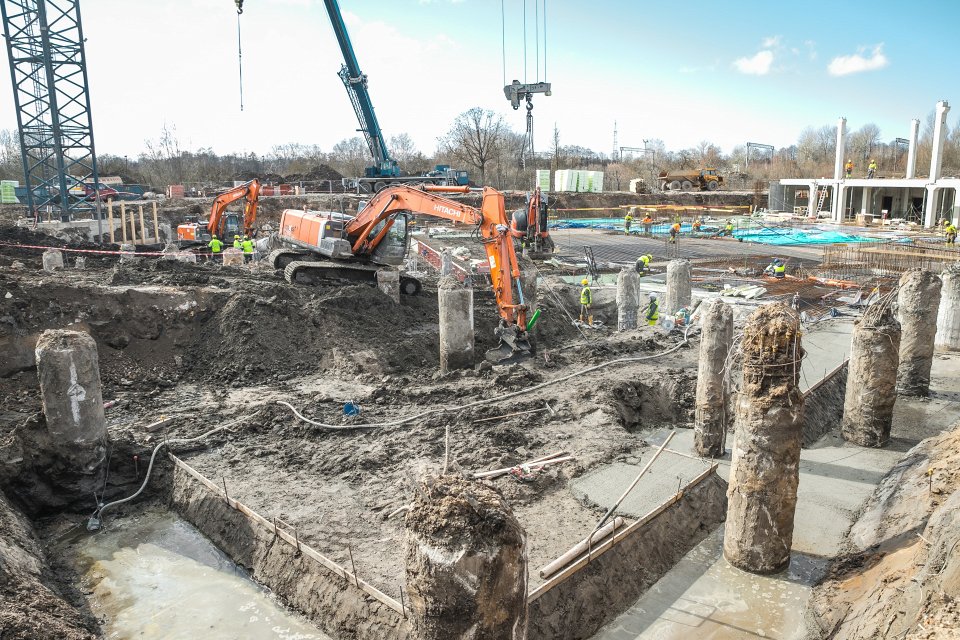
154 576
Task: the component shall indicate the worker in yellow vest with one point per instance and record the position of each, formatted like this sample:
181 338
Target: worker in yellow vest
653 310
951 232
627 221
872 168
247 246
586 300
236 242
216 246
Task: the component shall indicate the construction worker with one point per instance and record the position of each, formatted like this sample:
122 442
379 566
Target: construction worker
247 246
647 224
586 300
236 242
215 247
872 168
653 310
849 168
674 232
951 232
777 269
727 230
643 263
627 221
697 223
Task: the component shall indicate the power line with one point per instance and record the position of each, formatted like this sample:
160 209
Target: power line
524 41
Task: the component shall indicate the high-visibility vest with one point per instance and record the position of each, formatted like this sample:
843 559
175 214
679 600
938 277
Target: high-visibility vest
585 296
950 230
653 311
780 270
236 244
215 245
247 246
729 226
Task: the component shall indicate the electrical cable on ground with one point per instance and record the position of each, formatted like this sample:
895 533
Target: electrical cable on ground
95 521
488 402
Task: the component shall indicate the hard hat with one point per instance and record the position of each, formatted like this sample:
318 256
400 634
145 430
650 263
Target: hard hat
584 282
236 236
653 296
214 236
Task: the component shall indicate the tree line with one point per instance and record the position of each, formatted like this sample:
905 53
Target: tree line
482 142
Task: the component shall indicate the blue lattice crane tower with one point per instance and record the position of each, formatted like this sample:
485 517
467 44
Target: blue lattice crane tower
49 74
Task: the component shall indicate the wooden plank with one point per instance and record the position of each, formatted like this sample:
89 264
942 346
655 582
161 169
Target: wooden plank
143 228
608 544
304 549
156 227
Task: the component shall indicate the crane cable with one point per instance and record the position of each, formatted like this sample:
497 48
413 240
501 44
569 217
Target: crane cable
239 4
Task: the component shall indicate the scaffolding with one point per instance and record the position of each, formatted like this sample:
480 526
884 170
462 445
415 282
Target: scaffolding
49 75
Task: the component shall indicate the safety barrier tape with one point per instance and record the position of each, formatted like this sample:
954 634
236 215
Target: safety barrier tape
103 251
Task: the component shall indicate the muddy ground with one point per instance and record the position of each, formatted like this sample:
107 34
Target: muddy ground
208 344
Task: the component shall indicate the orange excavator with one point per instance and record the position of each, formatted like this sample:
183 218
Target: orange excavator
330 245
529 226
222 223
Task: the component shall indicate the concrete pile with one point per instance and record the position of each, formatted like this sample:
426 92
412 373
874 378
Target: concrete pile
917 304
872 378
711 419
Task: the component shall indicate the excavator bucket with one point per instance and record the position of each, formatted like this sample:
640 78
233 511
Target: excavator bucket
513 347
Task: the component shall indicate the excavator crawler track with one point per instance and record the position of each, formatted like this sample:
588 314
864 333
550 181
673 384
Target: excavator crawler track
280 258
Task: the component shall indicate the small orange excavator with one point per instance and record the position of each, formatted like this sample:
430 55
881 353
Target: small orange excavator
330 245
222 223
529 226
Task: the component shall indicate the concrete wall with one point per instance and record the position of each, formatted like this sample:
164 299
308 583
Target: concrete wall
576 607
823 405
315 586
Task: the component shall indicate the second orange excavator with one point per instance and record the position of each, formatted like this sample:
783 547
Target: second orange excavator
222 223
335 245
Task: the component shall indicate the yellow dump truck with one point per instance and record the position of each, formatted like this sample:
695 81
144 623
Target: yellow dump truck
706 179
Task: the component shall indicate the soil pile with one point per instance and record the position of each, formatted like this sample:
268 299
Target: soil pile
320 172
904 580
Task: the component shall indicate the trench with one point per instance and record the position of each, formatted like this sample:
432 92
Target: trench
153 575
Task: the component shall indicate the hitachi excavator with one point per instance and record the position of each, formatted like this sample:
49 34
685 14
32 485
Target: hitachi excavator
330 245
529 226
225 224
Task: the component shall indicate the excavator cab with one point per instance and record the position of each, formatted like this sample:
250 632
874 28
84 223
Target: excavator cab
393 247
232 224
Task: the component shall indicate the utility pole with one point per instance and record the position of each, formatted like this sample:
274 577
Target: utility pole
614 155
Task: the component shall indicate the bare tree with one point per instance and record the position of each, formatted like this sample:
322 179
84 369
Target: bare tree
556 151
475 139
861 143
350 156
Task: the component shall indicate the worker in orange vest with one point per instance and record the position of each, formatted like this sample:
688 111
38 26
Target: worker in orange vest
674 232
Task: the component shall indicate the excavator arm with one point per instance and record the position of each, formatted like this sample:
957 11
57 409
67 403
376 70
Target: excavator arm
250 191
365 232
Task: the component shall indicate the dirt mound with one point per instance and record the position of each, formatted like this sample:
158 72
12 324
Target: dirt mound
320 172
11 236
282 330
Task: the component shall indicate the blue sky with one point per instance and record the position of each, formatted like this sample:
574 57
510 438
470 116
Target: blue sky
727 73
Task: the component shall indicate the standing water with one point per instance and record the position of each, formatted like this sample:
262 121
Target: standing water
155 576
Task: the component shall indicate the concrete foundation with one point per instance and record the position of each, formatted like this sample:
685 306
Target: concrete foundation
388 281
871 384
764 472
678 287
69 373
711 419
232 257
466 563
948 316
456 325
918 302
628 298
52 260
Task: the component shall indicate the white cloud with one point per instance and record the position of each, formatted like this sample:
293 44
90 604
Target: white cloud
771 42
856 63
758 65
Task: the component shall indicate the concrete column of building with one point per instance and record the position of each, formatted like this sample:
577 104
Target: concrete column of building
948 316
388 281
912 149
939 138
812 200
69 371
765 471
917 304
711 419
841 149
872 378
930 206
678 286
456 325
865 201
628 298
466 563
836 206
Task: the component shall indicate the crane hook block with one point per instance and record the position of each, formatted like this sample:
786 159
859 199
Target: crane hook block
239 4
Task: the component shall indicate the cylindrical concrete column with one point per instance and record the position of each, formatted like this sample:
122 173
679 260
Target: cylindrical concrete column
948 315
628 298
872 378
456 325
388 281
52 260
678 286
765 469
711 419
69 373
466 563
917 302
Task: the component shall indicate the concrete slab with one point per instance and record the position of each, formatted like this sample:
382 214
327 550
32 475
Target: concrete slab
827 344
704 597
668 473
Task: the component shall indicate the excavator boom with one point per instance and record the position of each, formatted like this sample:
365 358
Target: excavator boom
248 190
